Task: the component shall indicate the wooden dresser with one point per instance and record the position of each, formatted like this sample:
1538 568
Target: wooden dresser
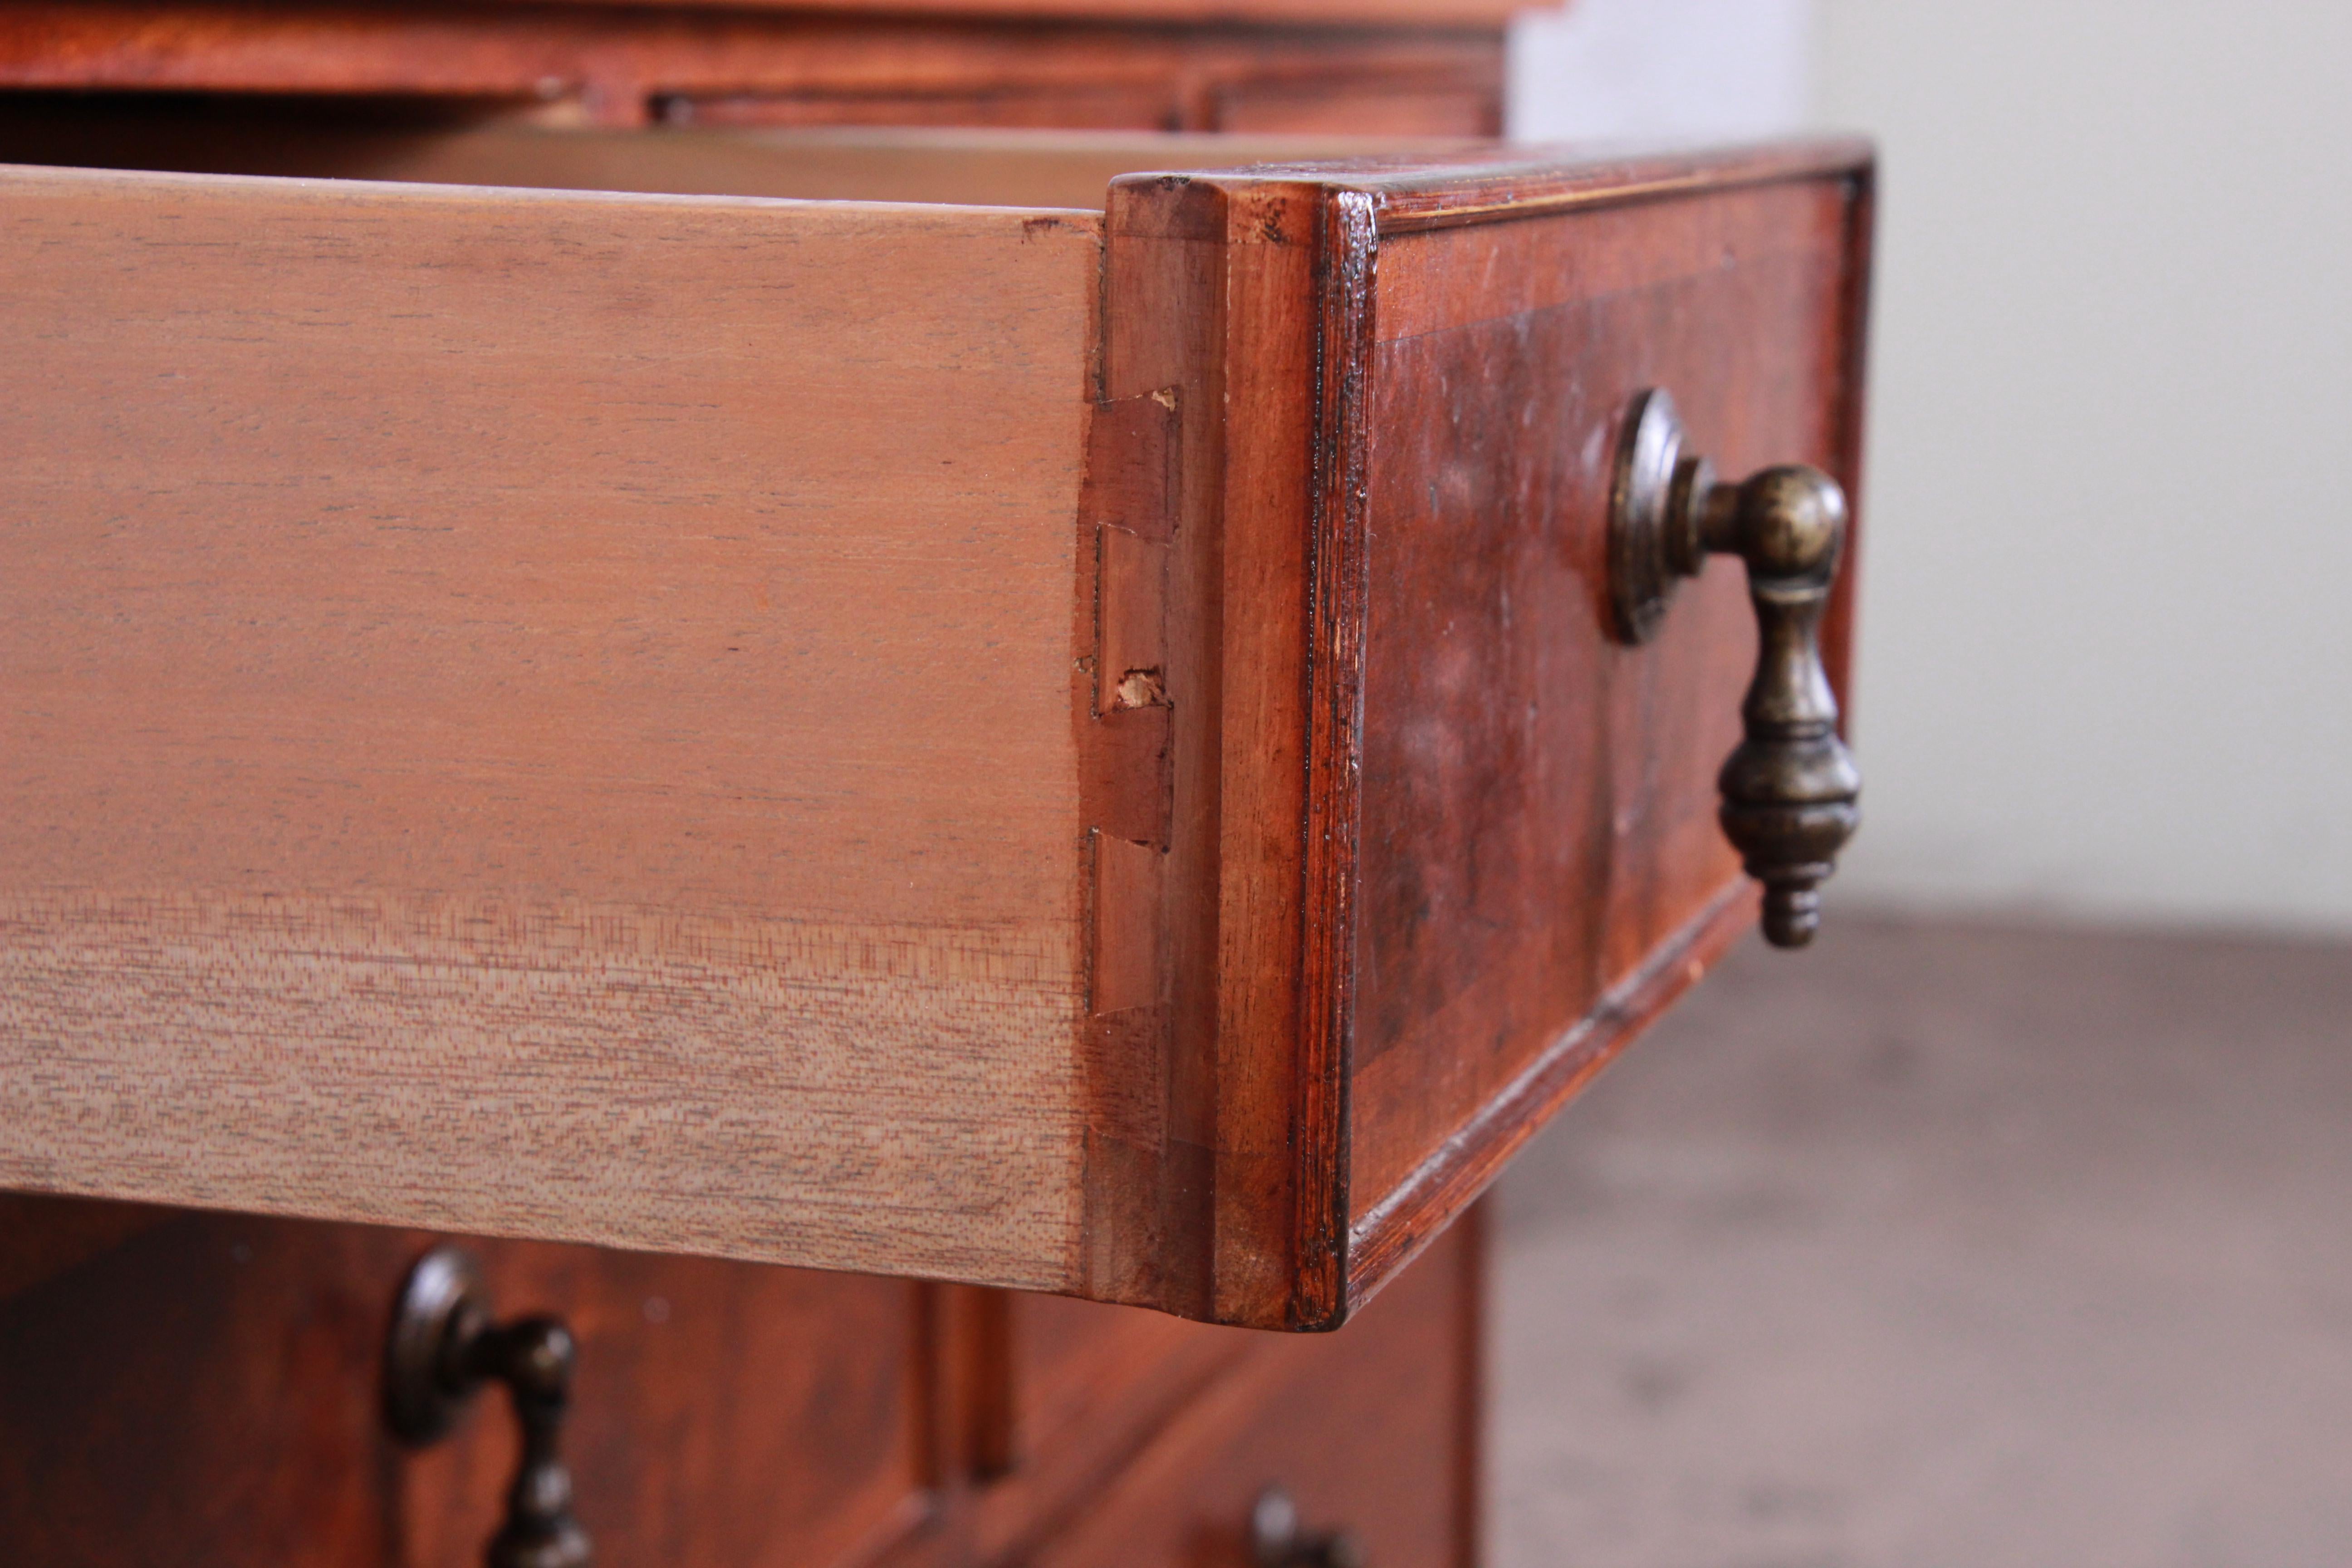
946 724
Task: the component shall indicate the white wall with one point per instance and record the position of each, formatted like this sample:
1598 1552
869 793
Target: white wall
2107 645
1659 68
2106 640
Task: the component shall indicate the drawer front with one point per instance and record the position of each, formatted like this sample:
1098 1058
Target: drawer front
185 1390
1372 1430
1070 1394
1539 862
1013 63
1443 842
190 1391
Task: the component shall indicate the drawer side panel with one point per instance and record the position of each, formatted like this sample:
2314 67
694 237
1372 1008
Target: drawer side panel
546 713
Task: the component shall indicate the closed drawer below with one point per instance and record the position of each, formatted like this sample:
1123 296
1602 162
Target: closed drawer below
205 1391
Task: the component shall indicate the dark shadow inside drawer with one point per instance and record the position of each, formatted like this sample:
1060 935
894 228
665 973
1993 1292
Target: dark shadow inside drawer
470 143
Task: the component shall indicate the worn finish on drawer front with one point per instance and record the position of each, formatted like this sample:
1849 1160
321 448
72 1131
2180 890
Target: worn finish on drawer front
1004 745
546 713
1536 812
1443 843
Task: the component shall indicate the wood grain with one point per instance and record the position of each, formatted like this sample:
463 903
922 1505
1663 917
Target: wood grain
452 770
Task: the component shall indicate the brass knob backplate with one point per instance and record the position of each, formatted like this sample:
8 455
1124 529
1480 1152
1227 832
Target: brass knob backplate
1791 789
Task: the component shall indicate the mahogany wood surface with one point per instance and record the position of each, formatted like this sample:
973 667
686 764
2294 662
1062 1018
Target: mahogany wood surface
201 1392
1512 750
205 1393
40 1236
1444 844
1049 64
1372 1430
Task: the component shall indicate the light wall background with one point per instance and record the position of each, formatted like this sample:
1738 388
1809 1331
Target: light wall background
2106 627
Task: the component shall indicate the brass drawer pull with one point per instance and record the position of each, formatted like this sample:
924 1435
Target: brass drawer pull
1789 790
1278 1540
442 1348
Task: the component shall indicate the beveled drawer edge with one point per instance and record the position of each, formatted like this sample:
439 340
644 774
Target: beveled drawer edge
1411 194
1394 1231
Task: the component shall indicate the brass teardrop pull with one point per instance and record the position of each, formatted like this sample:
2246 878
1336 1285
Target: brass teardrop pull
1279 1540
442 1348
1789 790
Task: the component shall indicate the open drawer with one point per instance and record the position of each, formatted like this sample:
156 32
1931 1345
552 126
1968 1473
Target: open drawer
1062 745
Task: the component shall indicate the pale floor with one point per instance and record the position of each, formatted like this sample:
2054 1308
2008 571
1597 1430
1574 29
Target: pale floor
1944 1246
